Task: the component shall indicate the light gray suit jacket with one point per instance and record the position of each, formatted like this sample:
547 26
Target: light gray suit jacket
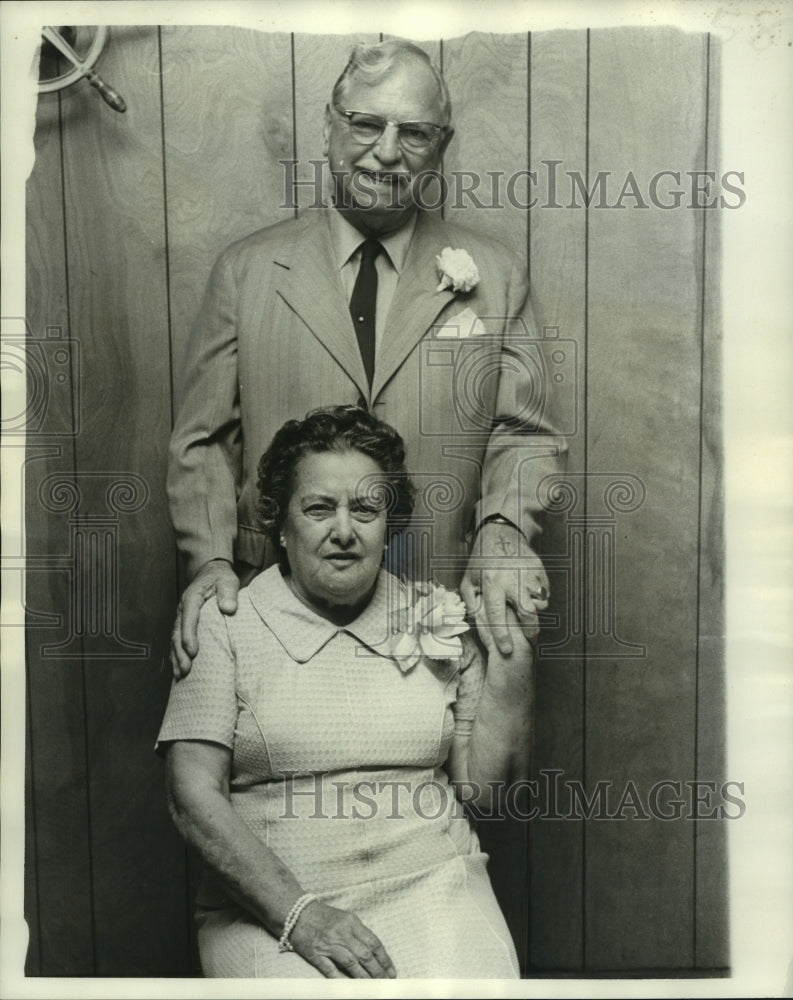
462 377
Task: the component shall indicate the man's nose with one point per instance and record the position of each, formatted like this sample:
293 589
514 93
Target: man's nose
387 149
343 530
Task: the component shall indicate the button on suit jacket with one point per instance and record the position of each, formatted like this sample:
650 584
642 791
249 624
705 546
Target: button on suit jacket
461 376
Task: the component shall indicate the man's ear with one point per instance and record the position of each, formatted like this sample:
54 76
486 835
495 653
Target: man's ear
326 131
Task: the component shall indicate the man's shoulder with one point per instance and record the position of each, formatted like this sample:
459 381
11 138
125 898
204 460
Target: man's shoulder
270 242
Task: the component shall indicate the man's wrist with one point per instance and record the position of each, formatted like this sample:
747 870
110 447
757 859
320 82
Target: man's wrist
218 559
208 566
498 519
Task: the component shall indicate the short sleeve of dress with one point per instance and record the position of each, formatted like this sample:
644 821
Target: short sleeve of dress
469 687
203 705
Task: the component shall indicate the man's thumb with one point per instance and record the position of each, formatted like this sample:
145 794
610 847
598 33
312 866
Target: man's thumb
228 588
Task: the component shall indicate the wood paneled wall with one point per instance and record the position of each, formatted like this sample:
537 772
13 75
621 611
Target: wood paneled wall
125 217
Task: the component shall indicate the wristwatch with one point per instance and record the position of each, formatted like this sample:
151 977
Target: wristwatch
494 519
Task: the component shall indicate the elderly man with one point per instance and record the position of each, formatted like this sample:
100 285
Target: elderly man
363 301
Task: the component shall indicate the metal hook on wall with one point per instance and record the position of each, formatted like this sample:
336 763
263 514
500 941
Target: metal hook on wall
62 39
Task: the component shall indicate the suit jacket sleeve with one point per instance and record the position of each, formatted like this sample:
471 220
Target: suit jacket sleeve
205 460
524 445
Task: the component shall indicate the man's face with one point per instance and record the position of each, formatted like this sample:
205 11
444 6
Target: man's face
373 183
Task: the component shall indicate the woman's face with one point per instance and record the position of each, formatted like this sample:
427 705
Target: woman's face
333 534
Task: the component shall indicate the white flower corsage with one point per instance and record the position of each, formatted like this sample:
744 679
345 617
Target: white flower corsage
457 270
429 624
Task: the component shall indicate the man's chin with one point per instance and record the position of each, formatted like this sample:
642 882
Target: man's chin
378 218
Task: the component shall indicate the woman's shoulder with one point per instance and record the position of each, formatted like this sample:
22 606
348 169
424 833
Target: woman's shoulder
267 585
265 592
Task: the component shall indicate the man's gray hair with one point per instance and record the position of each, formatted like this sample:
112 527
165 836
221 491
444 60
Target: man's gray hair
373 63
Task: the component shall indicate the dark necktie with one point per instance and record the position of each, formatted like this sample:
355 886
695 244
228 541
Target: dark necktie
362 304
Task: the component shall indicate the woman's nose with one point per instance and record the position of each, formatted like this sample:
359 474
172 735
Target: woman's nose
343 529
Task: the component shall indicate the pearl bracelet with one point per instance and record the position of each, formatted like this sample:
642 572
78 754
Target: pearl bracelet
292 918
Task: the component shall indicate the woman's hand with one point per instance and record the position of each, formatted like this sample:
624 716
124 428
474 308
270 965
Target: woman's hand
334 941
338 944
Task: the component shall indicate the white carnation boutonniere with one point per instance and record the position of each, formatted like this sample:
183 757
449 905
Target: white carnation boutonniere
457 270
430 623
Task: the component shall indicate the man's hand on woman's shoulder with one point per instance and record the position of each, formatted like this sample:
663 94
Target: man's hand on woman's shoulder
215 578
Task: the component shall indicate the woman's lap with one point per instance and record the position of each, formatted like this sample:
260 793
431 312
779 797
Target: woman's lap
233 946
443 922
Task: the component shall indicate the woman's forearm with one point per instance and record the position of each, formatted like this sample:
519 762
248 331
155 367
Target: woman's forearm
253 874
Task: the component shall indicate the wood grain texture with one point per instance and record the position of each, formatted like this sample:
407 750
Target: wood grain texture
227 113
643 382
114 882
711 931
487 77
558 282
115 230
58 765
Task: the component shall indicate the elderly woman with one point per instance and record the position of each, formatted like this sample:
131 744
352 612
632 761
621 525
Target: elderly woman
318 750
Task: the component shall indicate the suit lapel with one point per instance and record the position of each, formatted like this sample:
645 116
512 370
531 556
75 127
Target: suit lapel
310 284
416 303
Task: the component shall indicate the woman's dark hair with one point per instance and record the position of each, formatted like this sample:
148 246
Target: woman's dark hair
333 428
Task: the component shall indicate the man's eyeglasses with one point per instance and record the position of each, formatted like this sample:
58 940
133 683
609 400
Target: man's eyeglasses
415 137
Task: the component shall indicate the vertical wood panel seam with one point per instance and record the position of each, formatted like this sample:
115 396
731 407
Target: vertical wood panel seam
585 574
528 153
165 224
83 685
443 156
703 275
66 272
169 314
527 942
33 838
294 116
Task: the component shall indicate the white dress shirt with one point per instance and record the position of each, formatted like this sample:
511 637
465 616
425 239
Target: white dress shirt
347 241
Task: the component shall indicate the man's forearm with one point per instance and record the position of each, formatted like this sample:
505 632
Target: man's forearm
205 454
525 446
204 515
